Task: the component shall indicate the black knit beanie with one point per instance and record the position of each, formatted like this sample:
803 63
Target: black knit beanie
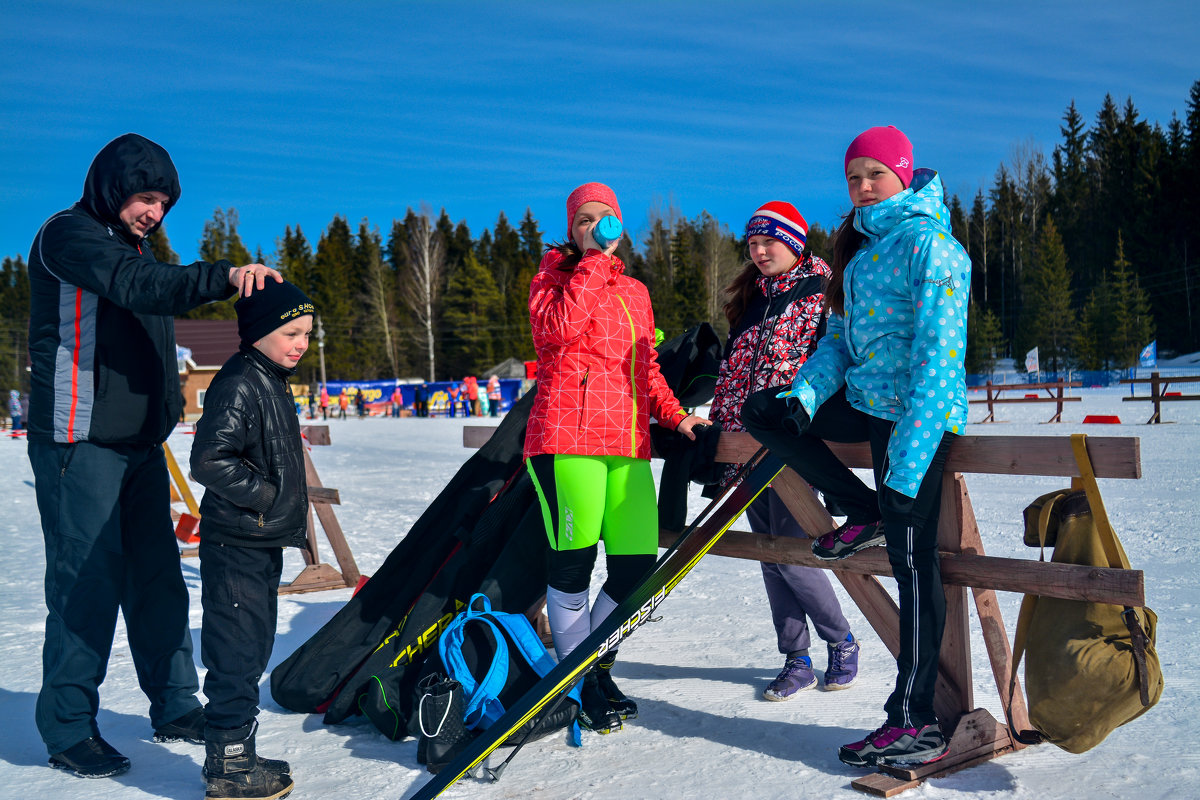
268 308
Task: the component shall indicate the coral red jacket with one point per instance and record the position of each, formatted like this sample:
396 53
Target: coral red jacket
598 381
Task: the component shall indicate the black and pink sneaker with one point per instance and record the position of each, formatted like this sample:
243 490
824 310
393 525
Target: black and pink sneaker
899 747
847 540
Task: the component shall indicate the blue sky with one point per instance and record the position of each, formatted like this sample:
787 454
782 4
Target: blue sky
292 112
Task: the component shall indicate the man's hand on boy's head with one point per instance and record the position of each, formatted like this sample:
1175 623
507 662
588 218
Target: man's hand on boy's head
252 276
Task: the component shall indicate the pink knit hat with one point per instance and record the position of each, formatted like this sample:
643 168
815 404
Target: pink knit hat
780 221
889 146
588 193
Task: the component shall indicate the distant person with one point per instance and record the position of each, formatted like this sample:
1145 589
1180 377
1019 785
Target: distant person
249 457
776 308
105 396
360 403
343 404
324 402
889 371
397 401
494 396
421 400
593 331
15 412
453 392
473 395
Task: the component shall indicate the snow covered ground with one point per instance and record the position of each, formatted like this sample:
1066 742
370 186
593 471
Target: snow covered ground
704 730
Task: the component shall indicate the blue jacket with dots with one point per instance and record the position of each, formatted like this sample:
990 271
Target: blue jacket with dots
899 348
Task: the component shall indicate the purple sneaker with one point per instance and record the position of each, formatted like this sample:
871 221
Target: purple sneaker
796 676
900 747
843 664
847 540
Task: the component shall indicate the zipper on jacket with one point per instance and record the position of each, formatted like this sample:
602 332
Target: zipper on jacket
583 398
260 519
632 377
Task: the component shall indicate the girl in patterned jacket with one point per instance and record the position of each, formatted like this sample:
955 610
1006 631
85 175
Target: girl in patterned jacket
775 310
888 371
587 443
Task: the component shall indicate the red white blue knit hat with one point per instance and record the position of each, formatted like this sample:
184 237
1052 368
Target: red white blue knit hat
780 221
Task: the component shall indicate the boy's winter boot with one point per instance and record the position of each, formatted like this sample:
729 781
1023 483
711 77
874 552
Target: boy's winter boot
625 708
796 676
233 771
595 712
440 712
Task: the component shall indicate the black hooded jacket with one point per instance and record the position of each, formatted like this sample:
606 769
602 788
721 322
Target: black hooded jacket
249 457
101 327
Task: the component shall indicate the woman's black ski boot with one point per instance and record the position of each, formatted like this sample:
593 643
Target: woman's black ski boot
625 708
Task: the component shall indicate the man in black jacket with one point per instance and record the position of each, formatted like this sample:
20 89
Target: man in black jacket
105 396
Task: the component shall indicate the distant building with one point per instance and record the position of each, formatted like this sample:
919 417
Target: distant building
204 345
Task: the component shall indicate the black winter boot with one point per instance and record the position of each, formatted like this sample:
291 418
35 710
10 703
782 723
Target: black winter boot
595 712
440 712
625 708
233 771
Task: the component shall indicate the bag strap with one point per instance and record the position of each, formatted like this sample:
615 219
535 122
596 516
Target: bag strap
480 697
1116 558
1024 619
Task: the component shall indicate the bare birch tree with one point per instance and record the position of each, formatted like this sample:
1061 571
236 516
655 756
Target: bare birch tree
719 262
377 294
421 288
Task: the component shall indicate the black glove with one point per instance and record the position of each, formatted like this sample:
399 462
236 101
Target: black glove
796 420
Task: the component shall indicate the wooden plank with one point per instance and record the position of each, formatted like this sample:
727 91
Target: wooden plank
1067 581
315 578
954 660
321 494
1112 456
1164 398
315 434
800 499
1029 400
476 436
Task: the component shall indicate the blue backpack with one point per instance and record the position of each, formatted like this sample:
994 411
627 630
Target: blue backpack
496 657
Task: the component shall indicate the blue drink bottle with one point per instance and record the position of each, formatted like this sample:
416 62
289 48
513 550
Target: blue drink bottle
607 231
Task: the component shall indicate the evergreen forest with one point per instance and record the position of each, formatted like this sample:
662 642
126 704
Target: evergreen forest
1088 253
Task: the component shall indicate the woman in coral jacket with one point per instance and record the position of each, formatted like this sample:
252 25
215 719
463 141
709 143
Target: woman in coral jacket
587 444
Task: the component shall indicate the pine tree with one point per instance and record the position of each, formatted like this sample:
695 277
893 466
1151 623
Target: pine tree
1048 320
220 240
1094 338
469 310
691 292
335 296
160 246
14 325
718 263
1132 323
984 342
377 349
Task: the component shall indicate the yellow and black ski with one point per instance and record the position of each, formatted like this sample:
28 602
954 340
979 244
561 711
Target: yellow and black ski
696 540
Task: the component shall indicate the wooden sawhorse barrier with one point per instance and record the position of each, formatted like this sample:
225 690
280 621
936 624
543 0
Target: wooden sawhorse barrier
974 734
1158 392
1054 394
317 576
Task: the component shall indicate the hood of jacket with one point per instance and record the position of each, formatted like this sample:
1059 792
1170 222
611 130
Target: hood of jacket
923 198
125 166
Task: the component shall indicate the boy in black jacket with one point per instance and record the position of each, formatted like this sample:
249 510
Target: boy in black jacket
249 456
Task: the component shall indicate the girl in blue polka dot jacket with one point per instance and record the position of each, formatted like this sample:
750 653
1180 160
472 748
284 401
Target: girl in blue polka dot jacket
888 371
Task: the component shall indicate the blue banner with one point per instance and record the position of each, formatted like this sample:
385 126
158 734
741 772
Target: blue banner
1149 356
437 393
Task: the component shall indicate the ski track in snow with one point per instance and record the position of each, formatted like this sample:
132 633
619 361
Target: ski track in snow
697 674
